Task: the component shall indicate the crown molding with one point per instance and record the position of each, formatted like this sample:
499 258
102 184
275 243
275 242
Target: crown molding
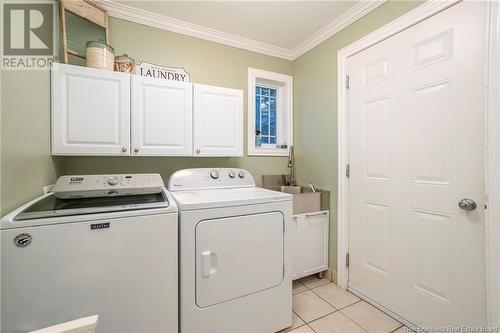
343 21
151 19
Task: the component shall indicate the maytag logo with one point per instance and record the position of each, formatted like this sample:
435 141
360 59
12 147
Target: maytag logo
99 226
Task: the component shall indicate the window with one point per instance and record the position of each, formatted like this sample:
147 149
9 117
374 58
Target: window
269 113
265 115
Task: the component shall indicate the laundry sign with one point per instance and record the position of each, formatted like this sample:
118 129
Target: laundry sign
148 69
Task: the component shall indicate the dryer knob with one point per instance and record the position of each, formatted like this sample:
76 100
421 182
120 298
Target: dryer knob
232 174
214 174
241 174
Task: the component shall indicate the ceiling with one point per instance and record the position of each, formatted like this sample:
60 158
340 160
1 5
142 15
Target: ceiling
281 23
284 29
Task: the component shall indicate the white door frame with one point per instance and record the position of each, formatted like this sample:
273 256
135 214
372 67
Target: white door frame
492 139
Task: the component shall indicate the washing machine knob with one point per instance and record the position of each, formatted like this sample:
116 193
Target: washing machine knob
214 174
113 181
241 174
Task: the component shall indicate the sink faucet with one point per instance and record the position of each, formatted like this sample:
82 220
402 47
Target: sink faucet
291 165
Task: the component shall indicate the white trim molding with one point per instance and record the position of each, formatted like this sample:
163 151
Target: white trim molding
284 84
343 21
136 15
493 165
492 116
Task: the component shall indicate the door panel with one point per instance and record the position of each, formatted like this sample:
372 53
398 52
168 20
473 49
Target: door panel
161 117
314 236
90 111
416 128
238 256
218 121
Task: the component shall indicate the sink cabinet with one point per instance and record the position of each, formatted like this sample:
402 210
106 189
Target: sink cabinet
309 237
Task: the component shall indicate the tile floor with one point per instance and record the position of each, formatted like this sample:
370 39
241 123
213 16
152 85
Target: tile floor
319 306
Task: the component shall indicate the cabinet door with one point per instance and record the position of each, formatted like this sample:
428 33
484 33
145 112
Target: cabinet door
314 234
90 111
161 117
218 121
296 247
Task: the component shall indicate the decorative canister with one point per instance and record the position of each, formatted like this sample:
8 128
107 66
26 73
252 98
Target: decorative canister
125 64
100 55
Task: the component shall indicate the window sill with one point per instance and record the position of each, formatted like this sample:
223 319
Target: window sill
267 152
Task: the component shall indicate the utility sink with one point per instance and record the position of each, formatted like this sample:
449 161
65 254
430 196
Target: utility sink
304 199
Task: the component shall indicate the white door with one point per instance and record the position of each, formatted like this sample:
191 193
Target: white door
90 111
238 256
161 117
416 141
218 121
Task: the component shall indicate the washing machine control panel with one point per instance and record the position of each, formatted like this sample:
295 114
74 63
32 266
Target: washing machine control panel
84 186
206 178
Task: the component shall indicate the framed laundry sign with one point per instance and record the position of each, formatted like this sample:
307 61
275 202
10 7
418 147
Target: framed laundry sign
148 69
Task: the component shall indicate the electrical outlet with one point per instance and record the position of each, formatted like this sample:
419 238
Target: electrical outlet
46 189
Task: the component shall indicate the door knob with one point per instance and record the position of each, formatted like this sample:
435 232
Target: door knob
467 204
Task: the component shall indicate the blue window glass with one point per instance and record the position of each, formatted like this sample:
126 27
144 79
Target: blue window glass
265 114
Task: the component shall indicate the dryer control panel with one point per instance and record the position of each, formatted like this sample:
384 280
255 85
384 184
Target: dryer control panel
85 186
209 178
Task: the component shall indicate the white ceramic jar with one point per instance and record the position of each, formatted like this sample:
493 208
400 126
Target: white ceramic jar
100 55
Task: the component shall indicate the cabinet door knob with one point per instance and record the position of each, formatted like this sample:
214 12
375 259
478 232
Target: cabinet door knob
136 150
198 151
124 149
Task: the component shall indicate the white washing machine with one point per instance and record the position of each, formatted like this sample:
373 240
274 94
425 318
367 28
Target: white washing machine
235 271
100 244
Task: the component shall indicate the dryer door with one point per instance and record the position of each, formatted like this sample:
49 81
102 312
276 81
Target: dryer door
238 256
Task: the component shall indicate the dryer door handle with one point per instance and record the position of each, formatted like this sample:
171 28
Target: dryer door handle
208 263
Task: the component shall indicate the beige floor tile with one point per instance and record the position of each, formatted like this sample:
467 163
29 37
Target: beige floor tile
303 329
370 318
313 282
335 323
403 329
298 287
336 296
310 306
296 322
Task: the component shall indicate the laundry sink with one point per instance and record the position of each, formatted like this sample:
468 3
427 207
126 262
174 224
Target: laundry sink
304 199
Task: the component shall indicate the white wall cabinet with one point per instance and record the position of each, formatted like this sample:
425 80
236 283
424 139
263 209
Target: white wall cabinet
161 117
99 112
218 121
309 235
90 111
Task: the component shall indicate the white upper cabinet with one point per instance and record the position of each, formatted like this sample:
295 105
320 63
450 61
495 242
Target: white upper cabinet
90 111
99 112
218 121
161 117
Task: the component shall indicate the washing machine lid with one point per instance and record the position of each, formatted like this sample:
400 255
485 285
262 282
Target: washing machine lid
51 206
215 198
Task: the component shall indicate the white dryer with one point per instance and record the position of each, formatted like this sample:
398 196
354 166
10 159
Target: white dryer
235 271
97 244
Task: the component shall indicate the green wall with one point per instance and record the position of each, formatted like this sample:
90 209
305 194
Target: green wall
26 164
208 63
315 107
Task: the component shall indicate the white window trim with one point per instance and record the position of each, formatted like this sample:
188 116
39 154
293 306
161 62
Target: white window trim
284 84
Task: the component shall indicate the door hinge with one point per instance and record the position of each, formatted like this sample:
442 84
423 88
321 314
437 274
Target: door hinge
347 81
347 259
348 170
